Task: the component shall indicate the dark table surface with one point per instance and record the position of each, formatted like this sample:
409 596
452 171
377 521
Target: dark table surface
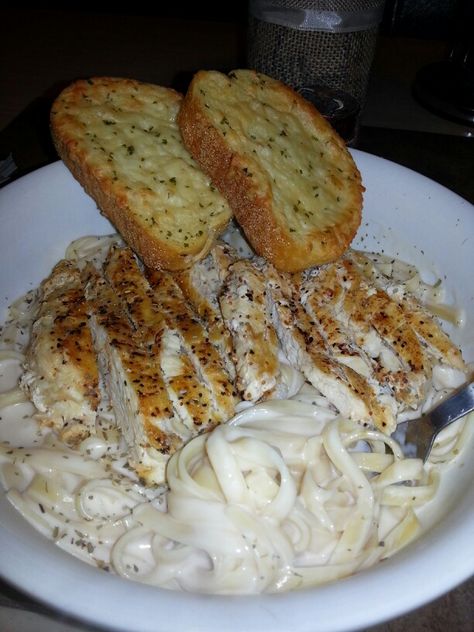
42 51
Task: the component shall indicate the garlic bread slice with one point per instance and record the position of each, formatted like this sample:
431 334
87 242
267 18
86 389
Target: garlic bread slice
290 180
120 140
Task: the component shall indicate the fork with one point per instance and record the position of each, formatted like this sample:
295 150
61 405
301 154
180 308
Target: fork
422 432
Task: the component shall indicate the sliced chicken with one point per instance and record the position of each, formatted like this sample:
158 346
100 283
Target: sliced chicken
134 383
342 348
210 386
199 406
201 285
306 349
378 325
436 341
243 304
123 272
169 347
337 339
61 373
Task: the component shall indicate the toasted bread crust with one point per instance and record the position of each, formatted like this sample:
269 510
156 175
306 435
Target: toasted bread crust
248 185
129 203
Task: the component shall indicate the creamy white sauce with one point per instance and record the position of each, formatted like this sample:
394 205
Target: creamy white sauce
286 495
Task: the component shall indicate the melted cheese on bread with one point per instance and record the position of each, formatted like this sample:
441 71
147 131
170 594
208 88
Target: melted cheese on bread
121 141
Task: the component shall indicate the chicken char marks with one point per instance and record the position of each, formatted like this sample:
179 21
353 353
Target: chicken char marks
61 374
133 383
189 373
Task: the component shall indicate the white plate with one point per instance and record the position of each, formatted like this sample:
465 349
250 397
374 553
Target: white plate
405 214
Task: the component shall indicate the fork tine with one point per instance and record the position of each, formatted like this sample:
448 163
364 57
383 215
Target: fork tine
422 432
420 437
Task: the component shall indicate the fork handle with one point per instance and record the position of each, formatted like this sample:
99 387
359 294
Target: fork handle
456 406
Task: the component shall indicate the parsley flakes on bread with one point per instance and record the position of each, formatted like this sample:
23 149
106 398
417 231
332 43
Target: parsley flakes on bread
169 173
120 140
288 176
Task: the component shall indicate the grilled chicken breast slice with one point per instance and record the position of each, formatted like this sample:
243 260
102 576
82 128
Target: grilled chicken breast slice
134 383
343 349
192 400
201 285
377 325
124 274
61 373
306 349
215 390
436 341
243 304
